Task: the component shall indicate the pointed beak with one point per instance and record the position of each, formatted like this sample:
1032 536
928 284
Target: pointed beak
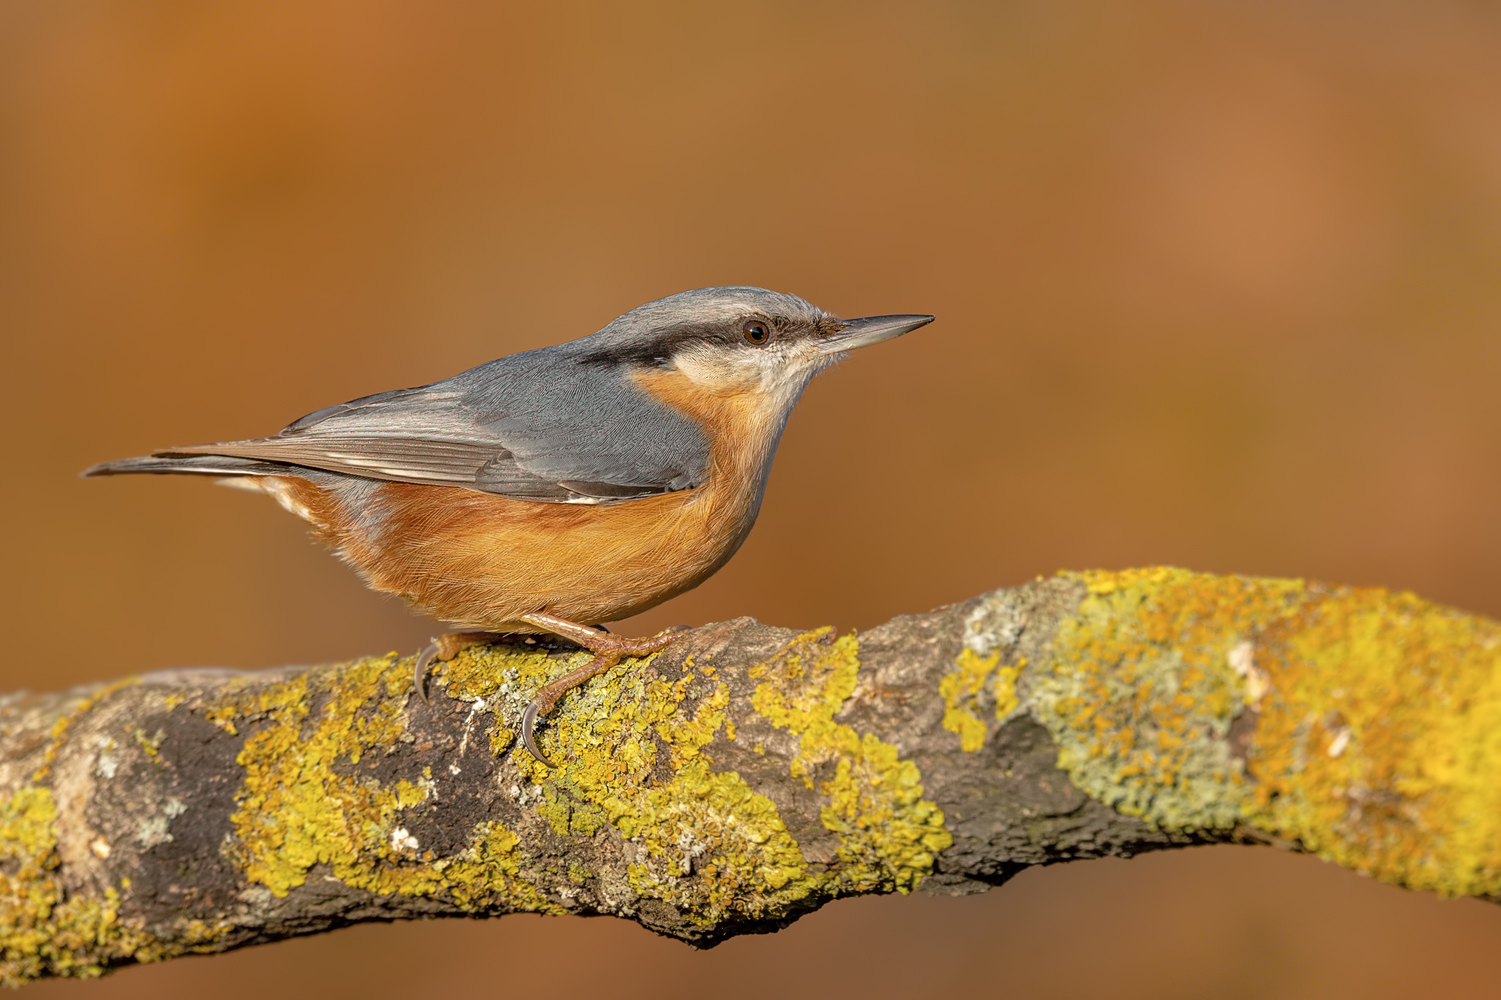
870 330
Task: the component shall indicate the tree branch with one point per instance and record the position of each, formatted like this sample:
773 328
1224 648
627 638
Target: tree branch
749 774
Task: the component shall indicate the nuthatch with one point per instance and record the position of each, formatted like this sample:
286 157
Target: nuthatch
556 489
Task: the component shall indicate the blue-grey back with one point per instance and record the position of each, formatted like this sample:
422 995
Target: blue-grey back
565 423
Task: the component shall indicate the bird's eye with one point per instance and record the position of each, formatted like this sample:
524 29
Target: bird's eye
756 332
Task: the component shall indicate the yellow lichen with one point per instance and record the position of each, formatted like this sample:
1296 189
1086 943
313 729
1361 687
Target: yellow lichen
1379 740
151 745
631 750
608 741
962 688
1004 690
46 931
488 873
888 833
1377 732
296 811
714 825
300 805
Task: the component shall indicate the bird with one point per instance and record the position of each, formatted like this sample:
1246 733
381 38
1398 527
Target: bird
554 490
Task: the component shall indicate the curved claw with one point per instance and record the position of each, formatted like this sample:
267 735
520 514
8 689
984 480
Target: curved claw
419 670
528 727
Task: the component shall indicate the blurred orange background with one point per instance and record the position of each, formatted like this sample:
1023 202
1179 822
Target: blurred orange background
1218 285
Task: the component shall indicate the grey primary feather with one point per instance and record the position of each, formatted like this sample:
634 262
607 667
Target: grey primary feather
207 465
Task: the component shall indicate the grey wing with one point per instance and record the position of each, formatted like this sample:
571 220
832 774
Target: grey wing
534 426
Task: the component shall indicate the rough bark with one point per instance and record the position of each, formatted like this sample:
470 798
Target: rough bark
749 774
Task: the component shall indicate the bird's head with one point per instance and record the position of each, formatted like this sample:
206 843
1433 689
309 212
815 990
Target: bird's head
746 343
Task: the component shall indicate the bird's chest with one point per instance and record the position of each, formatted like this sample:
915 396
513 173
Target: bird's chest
478 559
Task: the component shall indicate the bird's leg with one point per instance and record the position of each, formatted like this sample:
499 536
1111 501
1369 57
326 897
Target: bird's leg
608 650
446 647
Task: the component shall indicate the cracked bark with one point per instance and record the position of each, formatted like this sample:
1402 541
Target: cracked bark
129 828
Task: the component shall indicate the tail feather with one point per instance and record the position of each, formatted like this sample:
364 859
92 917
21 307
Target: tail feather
204 465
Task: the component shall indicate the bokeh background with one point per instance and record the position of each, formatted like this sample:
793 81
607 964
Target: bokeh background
1218 285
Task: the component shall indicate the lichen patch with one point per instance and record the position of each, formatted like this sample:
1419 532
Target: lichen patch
1140 691
1379 740
302 803
888 834
1377 718
976 687
43 929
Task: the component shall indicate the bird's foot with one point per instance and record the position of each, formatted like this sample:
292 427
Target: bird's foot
446 647
608 650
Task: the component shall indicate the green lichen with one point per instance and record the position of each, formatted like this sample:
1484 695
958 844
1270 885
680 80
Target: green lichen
1139 691
1377 718
708 845
888 833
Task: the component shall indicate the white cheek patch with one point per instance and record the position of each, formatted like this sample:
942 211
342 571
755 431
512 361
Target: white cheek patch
723 372
778 375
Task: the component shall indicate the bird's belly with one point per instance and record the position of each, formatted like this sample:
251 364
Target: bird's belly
478 560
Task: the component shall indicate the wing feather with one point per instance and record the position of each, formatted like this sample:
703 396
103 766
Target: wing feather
541 425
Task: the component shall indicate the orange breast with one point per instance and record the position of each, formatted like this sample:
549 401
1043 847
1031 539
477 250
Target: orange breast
478 560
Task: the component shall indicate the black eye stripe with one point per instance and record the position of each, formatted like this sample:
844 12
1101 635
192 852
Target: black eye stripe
659 348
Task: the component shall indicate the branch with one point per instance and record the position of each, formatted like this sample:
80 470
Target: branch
749 774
